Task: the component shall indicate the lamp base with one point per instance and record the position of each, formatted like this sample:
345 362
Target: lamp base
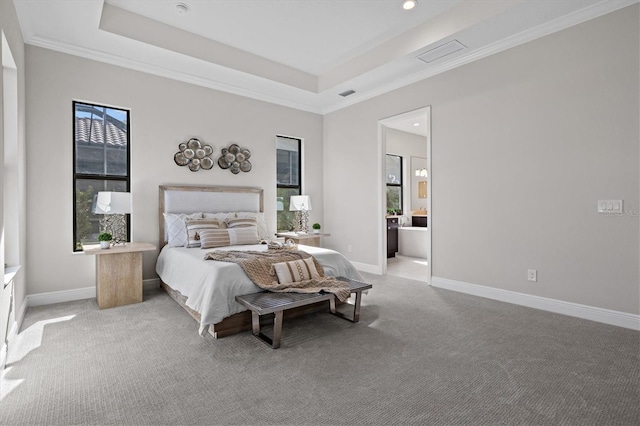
116 225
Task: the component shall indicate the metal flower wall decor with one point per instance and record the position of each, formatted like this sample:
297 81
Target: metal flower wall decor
235 159
195 155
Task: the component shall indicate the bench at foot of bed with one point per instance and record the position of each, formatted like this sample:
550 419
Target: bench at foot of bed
276 303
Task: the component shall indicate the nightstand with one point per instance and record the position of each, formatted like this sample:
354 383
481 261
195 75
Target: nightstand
118 273
305 239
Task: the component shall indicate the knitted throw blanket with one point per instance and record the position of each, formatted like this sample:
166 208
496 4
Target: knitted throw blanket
258 266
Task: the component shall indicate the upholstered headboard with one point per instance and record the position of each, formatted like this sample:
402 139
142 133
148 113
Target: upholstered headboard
205 198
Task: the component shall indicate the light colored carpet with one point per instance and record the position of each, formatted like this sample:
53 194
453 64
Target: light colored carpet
419 355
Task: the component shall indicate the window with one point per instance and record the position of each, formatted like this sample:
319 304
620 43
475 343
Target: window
100 163
288 159
394 184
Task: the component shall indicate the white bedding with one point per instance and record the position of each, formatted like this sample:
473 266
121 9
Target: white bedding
210 286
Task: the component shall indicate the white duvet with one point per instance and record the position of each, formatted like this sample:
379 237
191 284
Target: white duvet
211 286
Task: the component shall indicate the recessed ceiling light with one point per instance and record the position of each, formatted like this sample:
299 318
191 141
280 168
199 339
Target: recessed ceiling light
409 4
416 124
182 8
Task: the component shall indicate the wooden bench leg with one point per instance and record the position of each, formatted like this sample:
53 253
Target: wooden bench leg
356 308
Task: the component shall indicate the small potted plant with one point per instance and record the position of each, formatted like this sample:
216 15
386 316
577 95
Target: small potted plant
105 240
316 228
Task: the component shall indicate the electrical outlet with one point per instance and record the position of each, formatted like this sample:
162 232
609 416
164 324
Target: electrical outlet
349 248
532 275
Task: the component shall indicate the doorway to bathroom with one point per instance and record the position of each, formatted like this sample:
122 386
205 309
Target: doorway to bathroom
405 178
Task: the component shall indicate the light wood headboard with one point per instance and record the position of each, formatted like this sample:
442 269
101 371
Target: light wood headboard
208 199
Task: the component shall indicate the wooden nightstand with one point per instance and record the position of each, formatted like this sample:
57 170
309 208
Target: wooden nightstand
305 239
118 273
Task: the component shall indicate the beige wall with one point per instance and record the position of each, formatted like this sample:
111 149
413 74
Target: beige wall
10 27
524 143
163 114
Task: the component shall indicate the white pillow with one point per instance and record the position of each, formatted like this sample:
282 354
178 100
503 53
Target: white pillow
175 228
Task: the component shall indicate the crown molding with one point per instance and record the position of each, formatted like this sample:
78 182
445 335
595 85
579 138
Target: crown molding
594 11
540 31
55 45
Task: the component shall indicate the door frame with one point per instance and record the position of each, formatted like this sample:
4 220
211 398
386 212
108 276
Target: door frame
383 125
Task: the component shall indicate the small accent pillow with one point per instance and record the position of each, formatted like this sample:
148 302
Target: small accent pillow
296 271
212 238
195 227
175 228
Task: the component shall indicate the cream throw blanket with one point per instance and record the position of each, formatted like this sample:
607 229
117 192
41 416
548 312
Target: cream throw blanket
258 266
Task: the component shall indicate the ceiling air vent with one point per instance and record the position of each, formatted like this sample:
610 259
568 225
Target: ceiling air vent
441 51
347 93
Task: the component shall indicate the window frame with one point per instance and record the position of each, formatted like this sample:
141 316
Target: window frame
397 185
285 186
99 177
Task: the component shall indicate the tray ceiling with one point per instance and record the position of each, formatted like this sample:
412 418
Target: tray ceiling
297 53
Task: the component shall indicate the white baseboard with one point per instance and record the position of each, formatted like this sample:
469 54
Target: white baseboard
3 356
20 316
52 297
151 283
76 294
365 267
606 316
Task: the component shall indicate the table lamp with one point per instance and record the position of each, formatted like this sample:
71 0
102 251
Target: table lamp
301 204
114 206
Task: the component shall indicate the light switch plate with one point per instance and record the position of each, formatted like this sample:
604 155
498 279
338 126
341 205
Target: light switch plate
609 206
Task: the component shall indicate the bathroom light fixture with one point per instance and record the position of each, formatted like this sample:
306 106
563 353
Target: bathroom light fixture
409 4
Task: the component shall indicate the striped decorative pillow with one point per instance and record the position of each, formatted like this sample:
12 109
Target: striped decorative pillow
241 223
195 227
263 233
296 271
212 238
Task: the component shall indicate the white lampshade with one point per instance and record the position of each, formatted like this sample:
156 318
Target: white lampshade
113 203
300 203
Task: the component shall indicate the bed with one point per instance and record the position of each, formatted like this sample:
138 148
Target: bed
206 289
